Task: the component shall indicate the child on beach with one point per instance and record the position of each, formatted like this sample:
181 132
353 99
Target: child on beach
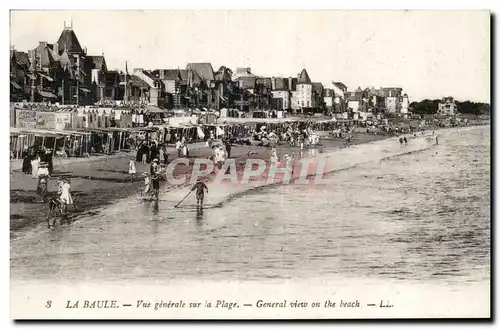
65 194
41 188
131 168
178 147
274 156
200 188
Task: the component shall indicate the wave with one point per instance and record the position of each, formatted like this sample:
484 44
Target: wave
265 187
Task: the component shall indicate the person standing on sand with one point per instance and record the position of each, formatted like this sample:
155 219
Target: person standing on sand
50 161
155 177
41 188
348 141
65 197
163 155
26 161
185 150
200 188
227 143
405 140
34 165
147 184
131 169
153 152
178 147
437 142
274 156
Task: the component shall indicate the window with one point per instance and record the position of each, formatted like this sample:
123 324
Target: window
302 103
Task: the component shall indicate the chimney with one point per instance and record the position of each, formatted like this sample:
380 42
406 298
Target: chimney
273 83
290 83
43 43
85 50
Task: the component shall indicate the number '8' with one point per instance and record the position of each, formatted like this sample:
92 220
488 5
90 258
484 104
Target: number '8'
49 304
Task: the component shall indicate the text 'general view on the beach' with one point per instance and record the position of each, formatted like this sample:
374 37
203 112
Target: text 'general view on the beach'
190 171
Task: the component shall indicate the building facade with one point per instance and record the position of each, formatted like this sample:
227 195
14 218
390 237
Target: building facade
303 96
447 106
392 99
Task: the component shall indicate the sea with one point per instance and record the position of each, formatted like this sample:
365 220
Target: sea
419 214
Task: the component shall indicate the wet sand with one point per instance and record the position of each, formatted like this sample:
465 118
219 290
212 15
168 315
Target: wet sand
97 184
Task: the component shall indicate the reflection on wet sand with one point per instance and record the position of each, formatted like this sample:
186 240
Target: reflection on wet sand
417 217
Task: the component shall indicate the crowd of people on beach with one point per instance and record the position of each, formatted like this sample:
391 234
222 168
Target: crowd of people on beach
38 162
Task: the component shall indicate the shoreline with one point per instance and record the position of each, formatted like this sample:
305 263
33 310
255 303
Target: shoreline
94 183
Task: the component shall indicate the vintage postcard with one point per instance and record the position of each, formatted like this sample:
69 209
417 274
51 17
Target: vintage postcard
250 164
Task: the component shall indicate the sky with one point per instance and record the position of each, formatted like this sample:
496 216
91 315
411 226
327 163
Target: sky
430 54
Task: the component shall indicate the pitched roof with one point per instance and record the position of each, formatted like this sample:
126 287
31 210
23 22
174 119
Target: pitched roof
44 54
98 61
66 60
281 84
247 82
138 82
204 70
223 74
264 82
187 75
355 95
304 78
340 85
184 76
390 92
169 74
21 57
69 41
318 87
112 77
242 72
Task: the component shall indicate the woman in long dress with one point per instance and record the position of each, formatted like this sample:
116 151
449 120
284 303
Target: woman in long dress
163 156
26 163
34 166
131 169
178 148
274 156
66 198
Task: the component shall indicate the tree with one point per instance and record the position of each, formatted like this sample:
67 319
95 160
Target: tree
426 106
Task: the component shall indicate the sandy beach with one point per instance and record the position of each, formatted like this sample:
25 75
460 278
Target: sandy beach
95 184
